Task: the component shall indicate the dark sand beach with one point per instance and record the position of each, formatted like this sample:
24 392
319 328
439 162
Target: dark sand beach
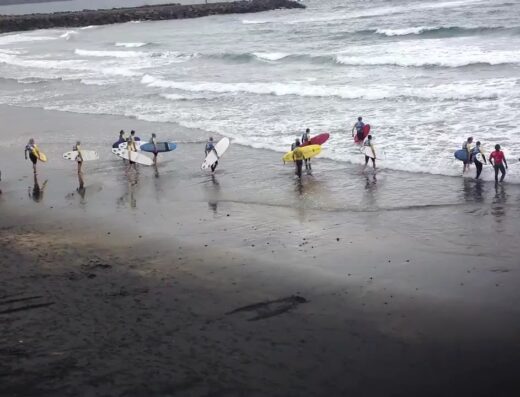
248 282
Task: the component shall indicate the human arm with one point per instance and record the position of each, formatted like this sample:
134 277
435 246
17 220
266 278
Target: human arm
505 162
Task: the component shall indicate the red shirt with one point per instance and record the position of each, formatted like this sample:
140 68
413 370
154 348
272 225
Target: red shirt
498 156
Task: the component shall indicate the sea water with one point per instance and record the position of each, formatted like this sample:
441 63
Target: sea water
424 74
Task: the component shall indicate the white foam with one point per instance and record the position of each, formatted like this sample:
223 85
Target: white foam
68 34
130 45
471 89
22 38
270 56
109 54
406 31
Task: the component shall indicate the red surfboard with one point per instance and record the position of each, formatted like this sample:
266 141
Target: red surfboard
366 131
318 139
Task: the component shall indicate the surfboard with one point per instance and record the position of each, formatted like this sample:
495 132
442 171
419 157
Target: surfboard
367 151
212 158
366 131
308 152
133 156
39 154
117 143
87 155
479 157
317 140
159 146
124 145
461 154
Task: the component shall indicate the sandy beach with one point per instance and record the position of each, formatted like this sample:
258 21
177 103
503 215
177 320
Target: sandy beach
248 282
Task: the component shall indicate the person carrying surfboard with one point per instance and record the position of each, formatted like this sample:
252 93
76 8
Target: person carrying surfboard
306 137
367 145
153 141
467 147
358 127
474 154
298 158
210 146
131 147
497 160
79 160
32 149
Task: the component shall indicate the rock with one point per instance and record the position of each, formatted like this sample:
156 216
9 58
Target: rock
11 23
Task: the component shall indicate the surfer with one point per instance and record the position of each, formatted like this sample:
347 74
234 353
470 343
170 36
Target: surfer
467 147
478 164
79 160
306 138
32 149
153 141
295 144
298 158
358 127
210 146
131 147
497 160
368 144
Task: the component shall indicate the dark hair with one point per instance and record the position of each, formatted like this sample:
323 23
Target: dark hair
497 147
478 143
369 136
470 138
360 118
307 130
132 132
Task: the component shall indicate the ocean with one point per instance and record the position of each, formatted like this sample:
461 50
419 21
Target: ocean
424 74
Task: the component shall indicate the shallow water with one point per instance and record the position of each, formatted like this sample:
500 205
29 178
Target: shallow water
425 75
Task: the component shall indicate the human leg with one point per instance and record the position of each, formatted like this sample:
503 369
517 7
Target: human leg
478 165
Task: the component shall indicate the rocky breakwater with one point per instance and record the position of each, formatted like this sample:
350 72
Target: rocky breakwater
12 23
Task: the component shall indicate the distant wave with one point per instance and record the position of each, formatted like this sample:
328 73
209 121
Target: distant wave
270 56
22 37
474 90
112 54
131 45
441 31
68 34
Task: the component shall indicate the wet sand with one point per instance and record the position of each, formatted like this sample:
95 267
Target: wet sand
249 282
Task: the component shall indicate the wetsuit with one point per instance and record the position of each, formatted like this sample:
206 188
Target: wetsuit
305 140
359 130
476 150
298 158
207 150
467 148
32 149
368 144
498 159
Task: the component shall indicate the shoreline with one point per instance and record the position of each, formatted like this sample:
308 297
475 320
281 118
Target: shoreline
13 23
191 284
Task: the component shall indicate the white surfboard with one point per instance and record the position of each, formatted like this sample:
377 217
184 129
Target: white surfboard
479 157
133 156
87 155
212 157
367 151
124 145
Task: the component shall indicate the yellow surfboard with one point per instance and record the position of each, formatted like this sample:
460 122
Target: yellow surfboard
309 151
39 154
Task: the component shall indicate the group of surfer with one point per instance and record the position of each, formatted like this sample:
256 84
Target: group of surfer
476 156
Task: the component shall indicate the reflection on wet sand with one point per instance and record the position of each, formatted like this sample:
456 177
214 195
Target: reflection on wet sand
36 192
498 207
213 194
129 195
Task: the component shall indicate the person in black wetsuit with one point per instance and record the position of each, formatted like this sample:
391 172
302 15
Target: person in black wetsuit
358 127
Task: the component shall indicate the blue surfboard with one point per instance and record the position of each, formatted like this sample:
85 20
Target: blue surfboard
159 147
461 155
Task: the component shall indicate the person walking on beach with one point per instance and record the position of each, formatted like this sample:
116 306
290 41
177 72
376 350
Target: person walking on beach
358 127
367 145
132 148
153 141
210 146
497 160
467 147
478 164
306 137
298 158
32 149
79 160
